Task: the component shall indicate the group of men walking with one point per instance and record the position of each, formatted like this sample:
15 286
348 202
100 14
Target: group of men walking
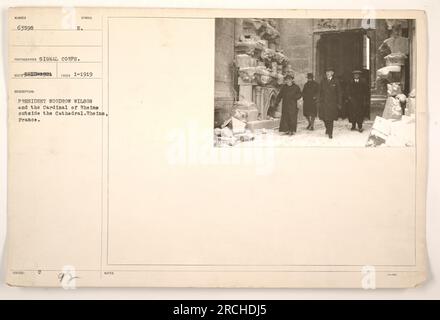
324 100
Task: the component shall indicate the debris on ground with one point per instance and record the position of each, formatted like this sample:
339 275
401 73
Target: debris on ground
246 136
264 137
226 132
224 137
235 129
245 110
238 126
392 132
233 133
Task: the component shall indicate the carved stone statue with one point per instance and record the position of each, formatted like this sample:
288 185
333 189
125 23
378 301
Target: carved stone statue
397 49
397 46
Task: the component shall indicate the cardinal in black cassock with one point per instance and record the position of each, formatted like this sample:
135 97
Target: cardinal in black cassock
290 93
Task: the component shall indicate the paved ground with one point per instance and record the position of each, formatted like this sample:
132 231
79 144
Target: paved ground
342 136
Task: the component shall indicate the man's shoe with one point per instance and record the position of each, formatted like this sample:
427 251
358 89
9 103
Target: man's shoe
361 130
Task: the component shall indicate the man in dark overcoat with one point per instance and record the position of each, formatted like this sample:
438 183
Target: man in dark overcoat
330 99
358 95
310 96
290 93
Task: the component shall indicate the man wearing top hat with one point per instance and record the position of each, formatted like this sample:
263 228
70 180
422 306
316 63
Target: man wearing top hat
330 98
290 93
310 96
358 95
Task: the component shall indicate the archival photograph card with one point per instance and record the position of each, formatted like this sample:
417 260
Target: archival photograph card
216 148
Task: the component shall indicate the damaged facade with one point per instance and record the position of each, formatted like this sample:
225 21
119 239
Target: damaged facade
253 55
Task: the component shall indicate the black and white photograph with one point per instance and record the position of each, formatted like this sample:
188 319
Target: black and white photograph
315 82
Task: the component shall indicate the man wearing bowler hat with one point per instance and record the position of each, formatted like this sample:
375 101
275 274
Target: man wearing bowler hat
358 95
310 96
330 98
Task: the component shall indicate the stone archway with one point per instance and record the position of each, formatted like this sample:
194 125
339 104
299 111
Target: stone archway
271 109
265 101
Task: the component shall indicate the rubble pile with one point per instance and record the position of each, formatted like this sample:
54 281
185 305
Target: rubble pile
393 133
396 102
396 127
232 132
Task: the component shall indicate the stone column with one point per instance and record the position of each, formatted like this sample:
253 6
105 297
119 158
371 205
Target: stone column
246 92
258 100
238 29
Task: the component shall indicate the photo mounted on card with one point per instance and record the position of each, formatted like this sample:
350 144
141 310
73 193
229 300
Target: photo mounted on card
216 148
301 81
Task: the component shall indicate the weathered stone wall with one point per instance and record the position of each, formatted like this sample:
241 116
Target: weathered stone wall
224 56
296 39
379 88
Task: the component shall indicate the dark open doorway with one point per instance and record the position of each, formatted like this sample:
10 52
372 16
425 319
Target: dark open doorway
344 51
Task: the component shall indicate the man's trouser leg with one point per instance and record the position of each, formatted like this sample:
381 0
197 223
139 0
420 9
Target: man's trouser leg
330 127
